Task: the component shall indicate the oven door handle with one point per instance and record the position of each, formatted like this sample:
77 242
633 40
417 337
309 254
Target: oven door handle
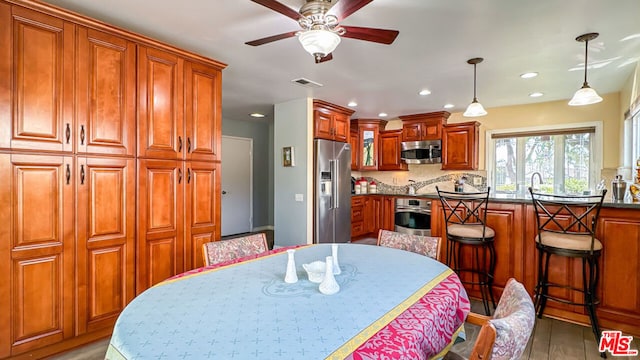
413 209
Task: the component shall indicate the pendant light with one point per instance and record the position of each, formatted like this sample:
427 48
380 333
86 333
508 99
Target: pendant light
585 95
475 108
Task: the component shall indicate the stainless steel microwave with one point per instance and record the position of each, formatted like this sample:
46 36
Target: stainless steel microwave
422 152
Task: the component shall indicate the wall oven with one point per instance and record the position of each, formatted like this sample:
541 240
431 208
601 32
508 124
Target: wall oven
413 216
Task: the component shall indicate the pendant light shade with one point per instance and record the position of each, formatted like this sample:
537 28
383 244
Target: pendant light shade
585 95
475 108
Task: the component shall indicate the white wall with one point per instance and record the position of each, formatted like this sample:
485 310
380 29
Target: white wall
293 126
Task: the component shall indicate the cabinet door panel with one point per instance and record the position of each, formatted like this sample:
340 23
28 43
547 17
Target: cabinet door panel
323 128
354 142
341 127
390 147
412 132
106 94
38 243
203 112
160 243
106 240
202 209
41 68
460 146
160 104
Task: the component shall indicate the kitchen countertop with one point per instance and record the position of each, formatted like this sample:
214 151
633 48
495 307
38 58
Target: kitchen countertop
519 199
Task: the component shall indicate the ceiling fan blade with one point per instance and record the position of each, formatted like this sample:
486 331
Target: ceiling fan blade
382 36
326 58
279 7
273 38
343 8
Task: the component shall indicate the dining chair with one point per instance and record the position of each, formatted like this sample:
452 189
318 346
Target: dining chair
566 227
465 217
505 335
224 250
423 245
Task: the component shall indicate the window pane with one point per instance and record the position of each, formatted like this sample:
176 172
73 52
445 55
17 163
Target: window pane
505 173
576 163
538 157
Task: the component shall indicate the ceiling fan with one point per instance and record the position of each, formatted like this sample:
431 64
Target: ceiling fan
321 31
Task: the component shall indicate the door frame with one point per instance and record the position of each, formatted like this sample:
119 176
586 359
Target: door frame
250 177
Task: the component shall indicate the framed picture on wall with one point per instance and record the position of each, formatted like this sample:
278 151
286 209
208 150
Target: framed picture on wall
288 158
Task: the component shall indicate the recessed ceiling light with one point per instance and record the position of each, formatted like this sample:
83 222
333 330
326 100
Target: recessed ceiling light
382 114
352 104
424 92
257 115
449 106
529 75
536 94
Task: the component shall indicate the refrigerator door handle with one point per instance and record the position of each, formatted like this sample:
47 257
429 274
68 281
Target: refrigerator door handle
332 174
336 184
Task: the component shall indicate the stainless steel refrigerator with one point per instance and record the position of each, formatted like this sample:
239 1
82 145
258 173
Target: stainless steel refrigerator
332 192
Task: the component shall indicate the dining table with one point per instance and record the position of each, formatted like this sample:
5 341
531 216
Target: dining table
392 304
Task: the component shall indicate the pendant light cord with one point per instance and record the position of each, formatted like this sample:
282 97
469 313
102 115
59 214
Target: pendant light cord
586 54
475 99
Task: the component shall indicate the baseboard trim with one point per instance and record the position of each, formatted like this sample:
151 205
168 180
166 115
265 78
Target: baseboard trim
263 228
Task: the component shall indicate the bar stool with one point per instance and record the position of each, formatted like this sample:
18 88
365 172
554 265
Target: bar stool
567 227
465 217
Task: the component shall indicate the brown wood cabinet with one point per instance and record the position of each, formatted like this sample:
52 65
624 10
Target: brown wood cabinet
36 251
105 214
370 213
331 121
368 141
427 126
516 256
390 148
106 109
36 104
78 182
354 141
460 146
202 204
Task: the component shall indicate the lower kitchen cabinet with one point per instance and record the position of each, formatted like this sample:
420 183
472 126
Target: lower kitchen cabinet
516 256
370 213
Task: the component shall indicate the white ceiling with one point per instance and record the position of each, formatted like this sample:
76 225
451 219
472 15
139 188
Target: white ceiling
436 39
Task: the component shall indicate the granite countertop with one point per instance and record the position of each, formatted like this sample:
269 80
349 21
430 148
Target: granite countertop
519 199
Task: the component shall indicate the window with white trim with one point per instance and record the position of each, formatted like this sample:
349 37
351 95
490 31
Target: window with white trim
566 157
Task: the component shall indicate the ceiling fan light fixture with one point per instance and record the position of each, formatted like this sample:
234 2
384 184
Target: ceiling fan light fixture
475 108
585 95
319 43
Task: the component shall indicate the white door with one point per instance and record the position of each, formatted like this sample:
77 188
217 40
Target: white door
237 185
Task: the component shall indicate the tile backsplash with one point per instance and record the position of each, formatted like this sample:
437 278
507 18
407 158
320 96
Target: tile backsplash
426 178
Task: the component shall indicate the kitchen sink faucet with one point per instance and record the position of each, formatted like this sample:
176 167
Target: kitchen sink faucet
539 177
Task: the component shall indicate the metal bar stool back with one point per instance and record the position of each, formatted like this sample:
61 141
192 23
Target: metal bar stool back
465 216
566 226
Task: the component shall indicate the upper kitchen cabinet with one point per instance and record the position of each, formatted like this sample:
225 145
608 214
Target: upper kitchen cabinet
427 126
354 142
203 99
460 146
330 121
36 80
390 148
160 104
106 91
368 140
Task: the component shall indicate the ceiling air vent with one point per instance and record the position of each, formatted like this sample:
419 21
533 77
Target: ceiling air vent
306 82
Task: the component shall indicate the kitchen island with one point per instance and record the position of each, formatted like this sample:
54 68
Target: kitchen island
512 217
